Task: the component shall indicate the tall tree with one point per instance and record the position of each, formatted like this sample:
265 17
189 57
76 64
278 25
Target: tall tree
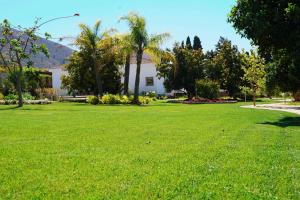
188 43
197 44
81 73
16 50
142 42
128 50
182 68
227 66
89 40
273 26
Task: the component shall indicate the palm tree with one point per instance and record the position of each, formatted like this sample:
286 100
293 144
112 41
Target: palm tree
127 50
142 42
89 40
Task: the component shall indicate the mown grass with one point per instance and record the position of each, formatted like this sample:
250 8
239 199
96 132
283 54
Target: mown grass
167 151
294 103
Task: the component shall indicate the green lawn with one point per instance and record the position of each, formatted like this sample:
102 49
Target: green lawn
295 103
167 151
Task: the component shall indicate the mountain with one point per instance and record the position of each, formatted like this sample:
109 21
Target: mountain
59 54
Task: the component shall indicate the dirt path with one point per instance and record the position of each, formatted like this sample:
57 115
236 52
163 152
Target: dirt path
277 106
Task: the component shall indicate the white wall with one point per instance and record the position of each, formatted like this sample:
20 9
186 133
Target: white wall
57 73
147 70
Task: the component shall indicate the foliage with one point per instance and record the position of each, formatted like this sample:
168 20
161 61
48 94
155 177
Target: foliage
188 43
17 48
145 100
197 43
208 89
98 57
255 75
112 99
252 20
181 68
273 26
11 97
284 73
163 151
93 100
225 66
151 94
47 93
1 96
142 42
31 79
28 96
86 77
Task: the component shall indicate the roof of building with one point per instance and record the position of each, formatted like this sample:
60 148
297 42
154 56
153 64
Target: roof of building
146 59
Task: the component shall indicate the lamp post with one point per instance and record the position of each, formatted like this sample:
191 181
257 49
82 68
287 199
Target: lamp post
58 18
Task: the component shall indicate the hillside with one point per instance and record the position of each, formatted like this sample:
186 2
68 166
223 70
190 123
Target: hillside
58 55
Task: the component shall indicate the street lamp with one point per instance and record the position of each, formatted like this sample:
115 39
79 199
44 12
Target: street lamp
57 18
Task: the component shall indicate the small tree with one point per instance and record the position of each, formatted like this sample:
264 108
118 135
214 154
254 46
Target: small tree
17 48
255 75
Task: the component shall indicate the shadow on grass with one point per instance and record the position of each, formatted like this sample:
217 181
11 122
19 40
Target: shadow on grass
285 122
5 107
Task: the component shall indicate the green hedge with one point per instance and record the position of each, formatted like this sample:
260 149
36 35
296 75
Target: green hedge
208 89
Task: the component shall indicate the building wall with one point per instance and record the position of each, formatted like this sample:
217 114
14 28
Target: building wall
57 73
147 70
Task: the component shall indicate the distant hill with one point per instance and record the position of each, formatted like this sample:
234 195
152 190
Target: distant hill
59 55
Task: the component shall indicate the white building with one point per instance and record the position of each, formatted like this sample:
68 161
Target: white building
148 77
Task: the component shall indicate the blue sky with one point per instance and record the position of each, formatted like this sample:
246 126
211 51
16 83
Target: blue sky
205 18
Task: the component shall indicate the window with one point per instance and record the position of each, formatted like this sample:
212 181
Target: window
149 81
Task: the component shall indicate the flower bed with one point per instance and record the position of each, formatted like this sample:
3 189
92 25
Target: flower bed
203 101
29 102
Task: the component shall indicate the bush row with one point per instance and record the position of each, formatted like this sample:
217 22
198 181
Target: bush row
28 102
116 99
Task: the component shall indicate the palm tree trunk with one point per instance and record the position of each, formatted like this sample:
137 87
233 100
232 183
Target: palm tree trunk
99 87
139 57
126 75
99 90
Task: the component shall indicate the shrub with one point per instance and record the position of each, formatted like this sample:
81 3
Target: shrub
1 96
125 100
93 100
145 100
116 99
111 99
27 96
49 93
11 97
208 89
151 94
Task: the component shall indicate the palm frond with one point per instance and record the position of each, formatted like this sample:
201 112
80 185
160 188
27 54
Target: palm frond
157 40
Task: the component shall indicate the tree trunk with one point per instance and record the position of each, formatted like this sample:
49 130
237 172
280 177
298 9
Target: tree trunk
19 89
139 57
126 75
99 91
99 88
296 95
254 100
